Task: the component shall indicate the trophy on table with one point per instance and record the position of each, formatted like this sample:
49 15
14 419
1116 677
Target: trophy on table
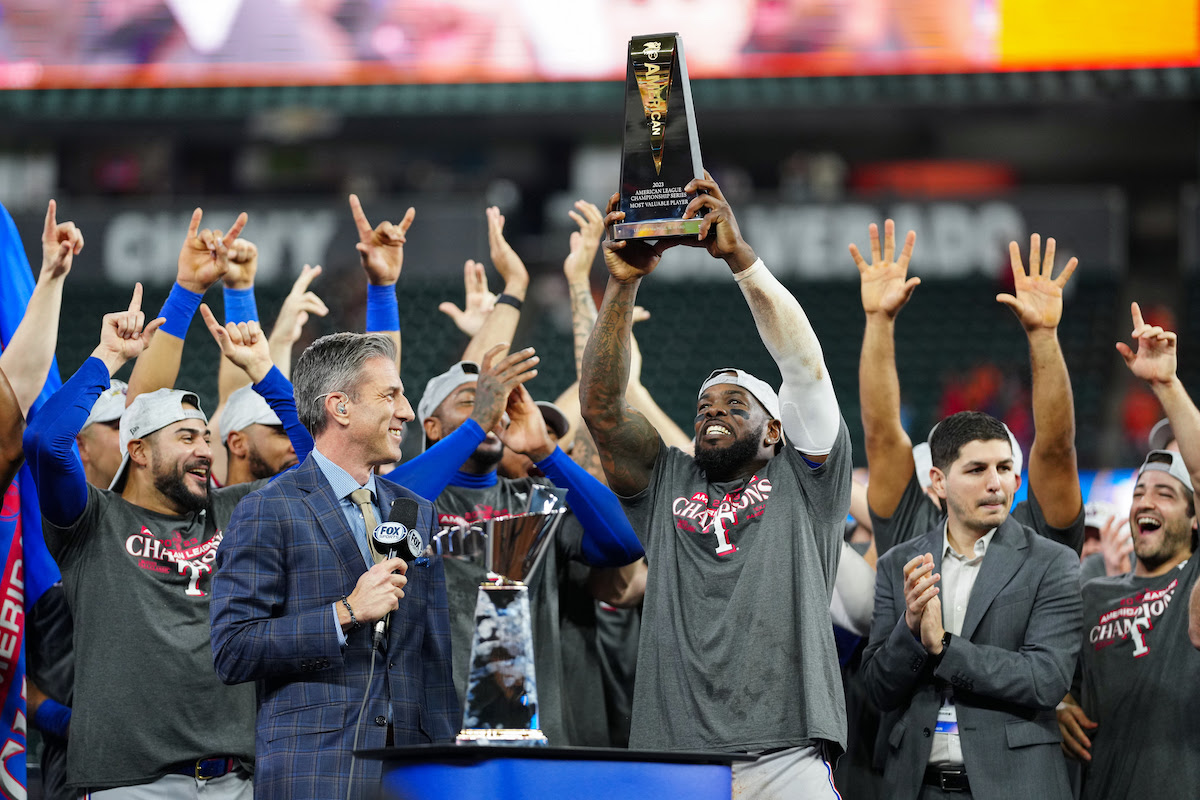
501 705
661 150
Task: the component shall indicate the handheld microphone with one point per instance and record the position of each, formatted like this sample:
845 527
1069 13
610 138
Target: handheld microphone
398 537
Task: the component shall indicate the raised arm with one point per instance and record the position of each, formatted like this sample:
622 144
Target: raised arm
885 289
501 323
1038 303
628 444
12 427
240 306
478 301
203 260
245 346
808 406
1155 362
577 267
381 251
50 436
299 304
26 359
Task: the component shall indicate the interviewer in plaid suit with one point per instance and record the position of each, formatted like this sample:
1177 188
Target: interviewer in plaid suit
295 595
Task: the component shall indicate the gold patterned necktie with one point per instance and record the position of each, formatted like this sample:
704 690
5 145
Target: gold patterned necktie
362 499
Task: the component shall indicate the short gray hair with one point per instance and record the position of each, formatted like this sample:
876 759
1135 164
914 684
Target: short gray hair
334 363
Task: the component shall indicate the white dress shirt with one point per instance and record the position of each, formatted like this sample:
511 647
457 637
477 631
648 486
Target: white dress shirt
958 579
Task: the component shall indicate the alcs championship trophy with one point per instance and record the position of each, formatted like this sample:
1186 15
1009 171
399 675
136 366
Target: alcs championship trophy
501 704
661 151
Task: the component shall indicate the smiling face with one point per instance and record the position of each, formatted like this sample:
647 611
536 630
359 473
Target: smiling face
377 412
1162 520
978 486
458 406
179 458
733 432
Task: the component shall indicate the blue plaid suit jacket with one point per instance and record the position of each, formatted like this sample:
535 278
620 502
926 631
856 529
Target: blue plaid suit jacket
286 556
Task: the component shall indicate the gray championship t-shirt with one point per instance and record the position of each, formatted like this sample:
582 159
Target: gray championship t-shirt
916 515
1141 683
570 689
737 650
146 694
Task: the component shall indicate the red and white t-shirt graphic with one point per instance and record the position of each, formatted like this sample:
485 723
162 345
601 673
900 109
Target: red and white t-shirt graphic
173 555
696 514
1132 618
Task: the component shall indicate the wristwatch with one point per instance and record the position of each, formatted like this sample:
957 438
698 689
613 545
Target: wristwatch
945 640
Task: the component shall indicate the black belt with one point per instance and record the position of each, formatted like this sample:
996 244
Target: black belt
948 779
206 768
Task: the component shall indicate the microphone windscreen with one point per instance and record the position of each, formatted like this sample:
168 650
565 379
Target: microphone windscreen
405 511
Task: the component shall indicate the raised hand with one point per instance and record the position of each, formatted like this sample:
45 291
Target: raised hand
381 249
526 431
578 264
125 334
630 260
719 231
477 302
920 586
504 258
497 381
296 308
1155 358
61 242
1116 543
885 285
204 257
243 264
1038 302
243 343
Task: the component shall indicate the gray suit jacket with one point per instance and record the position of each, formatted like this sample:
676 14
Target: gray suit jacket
1010 667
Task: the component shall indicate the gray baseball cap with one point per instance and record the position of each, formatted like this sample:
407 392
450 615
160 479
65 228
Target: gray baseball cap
244 408
110 405
761 390
555 418
440 387
150 412
1170 462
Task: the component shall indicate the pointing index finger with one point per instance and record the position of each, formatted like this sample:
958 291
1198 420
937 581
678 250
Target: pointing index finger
51 220
236 229
194 225
135 303
1136 312
360 217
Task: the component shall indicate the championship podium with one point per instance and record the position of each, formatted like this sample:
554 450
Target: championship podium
480 772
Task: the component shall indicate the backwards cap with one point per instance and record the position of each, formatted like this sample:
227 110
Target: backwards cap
150 412
244 408
440 387
1170 462
761 390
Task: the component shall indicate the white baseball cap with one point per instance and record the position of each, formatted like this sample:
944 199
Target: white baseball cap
110 405
761 390
244 408
150 412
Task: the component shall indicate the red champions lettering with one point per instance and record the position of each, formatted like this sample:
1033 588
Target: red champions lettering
696 514
1132 618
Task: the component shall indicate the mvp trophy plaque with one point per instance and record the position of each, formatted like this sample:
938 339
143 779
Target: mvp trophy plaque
661 150
501 704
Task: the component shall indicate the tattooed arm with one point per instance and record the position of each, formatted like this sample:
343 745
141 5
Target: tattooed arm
628 444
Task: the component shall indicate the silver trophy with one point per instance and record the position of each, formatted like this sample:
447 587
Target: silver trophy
501 704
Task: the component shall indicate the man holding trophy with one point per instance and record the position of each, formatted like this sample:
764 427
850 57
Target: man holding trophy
737 652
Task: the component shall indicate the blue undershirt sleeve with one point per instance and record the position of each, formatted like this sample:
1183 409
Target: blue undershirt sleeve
49 443
608 538
429 473
277 391
53 717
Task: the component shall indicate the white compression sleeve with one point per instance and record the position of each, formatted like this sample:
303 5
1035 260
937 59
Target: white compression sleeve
808 406
853 599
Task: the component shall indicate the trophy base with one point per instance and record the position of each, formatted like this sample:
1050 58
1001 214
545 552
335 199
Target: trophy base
656 228
505 737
